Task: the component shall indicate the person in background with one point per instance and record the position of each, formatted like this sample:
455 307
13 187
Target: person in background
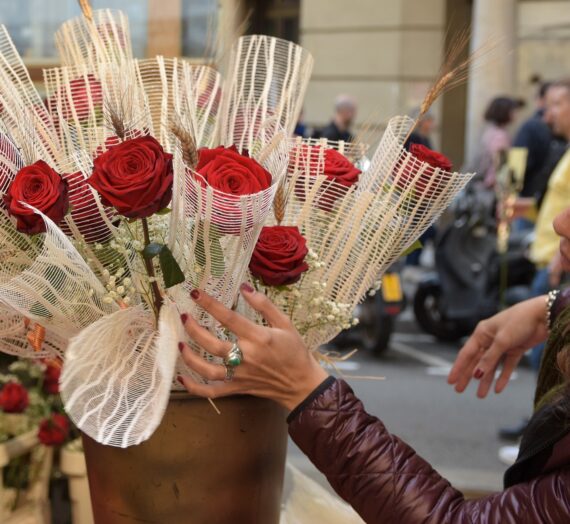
495 137
301 128
544 250
423 131
345 109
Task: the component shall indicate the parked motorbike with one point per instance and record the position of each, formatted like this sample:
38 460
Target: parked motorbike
466 285
377 316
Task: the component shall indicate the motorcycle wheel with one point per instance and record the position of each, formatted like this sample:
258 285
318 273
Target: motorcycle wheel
429 317
376 335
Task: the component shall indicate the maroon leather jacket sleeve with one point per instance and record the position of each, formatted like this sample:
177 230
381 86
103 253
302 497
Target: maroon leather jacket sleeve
385 481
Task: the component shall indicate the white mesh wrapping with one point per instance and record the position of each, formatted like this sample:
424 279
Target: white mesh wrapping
267 79
358 232
117 374
104 39
11 162
197 102
46 279
21 108
83 96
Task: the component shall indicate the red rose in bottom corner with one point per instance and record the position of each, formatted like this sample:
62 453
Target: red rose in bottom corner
279 256
422 155
54 431
51 379
14 398
41 187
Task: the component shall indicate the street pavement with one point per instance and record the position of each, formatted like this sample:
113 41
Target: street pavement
456 433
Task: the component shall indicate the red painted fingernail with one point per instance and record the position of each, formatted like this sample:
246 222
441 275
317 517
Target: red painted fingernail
180 346
478 373
247 288
195 294
184 318
180 379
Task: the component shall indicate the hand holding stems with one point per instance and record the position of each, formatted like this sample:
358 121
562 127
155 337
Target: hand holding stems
501 339
276 363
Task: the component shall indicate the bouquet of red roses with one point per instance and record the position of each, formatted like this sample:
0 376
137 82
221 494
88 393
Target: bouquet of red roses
144 179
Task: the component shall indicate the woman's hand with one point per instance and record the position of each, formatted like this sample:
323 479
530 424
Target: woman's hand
504 338
276 363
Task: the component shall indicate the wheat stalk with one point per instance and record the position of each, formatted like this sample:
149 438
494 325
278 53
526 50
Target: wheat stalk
188 144
453 72
86 9
279 203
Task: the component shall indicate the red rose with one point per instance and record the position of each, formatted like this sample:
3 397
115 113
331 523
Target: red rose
84 94
14 398
279 256
338 169
135 177
85 212
232 172
41 187
51 379
434 160
53 431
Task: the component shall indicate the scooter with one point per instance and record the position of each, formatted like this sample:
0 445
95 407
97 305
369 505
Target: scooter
377 316
466 286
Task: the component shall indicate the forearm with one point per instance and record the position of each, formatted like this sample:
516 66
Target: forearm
385 480
378 474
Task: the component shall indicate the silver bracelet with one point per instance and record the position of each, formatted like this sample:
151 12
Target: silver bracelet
550 298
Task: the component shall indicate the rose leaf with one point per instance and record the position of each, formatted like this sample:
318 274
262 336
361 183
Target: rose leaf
164 211
152 250
414 247
171 272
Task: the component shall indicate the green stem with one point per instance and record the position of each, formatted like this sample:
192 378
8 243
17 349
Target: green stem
150 270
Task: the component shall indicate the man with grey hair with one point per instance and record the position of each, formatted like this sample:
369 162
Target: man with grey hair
344 114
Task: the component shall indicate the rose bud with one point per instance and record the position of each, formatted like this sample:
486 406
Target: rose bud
279 256
14 398
235 174
339 171
41 187
422 154
135 177
53 431
51 379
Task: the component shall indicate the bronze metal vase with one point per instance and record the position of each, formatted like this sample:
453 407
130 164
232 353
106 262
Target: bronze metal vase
198 467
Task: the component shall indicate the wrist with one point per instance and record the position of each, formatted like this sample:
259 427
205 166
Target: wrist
314 377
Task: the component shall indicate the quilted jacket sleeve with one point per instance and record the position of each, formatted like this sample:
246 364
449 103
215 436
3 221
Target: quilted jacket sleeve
387 482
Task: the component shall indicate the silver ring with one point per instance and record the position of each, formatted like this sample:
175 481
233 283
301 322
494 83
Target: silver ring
229 373
234 357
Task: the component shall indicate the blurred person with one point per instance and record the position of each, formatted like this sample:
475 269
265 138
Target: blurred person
345 109
423 130
301 128
377 473
536 135
544 250
500 113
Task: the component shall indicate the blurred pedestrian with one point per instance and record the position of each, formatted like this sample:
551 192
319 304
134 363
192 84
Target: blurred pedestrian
423 131
301 129
345 109
495 137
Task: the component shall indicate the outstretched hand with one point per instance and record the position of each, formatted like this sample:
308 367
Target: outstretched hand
500 340
276 363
